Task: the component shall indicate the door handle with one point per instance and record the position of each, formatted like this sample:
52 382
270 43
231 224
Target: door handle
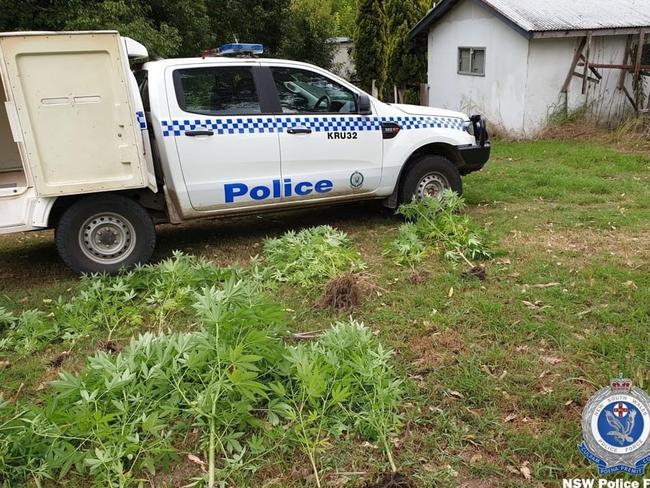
299 130
195 133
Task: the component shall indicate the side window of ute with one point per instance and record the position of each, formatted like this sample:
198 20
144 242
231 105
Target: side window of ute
306 92
142 78
217 91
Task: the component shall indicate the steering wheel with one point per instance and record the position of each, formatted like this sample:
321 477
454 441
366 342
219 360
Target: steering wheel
324 98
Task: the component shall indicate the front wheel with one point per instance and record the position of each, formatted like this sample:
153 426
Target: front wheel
430 177
105 233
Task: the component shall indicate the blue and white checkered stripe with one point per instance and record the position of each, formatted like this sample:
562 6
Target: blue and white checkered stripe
263 125
425 122
141 119
329 123
230 125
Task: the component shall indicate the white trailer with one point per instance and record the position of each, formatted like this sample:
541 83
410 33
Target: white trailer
102 154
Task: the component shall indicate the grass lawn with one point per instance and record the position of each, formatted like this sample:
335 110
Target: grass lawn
498 370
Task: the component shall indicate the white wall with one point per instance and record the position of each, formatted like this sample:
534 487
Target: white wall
342 63
500 94
548 65
523 79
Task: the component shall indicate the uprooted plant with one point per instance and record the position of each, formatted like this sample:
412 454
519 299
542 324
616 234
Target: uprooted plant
150 295
311 256
343 383
233 380
439 222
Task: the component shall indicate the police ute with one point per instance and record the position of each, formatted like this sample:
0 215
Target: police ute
101 147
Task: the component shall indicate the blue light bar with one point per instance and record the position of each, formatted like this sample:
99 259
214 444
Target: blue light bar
235 49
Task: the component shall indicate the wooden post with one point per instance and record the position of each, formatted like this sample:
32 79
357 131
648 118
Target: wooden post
574 63
424 94
621 78
637 71
639 56
587 59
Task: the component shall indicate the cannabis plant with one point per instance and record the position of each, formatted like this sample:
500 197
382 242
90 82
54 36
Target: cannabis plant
311 256
441 222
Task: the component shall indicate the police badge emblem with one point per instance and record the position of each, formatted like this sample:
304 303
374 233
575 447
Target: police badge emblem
356 180
616 429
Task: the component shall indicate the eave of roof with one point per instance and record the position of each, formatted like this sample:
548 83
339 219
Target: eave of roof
521 24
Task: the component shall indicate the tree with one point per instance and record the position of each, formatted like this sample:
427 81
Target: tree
407 66
293 28
370 44
344 12
190 18
257 21
130 18
307 28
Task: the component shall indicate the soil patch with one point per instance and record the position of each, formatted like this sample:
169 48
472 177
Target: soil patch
476 272
419 277
391 480
110 347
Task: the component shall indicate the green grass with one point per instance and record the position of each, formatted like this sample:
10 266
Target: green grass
498 371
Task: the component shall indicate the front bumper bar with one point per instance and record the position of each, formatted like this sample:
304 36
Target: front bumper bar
474 156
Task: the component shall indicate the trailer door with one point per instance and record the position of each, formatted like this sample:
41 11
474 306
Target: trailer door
75 116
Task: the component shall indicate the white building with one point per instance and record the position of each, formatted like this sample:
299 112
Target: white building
520 62
342 62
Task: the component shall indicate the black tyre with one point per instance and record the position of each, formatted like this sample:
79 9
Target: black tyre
105 233
430 176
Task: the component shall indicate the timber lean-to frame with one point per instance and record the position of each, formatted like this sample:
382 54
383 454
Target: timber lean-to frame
582 60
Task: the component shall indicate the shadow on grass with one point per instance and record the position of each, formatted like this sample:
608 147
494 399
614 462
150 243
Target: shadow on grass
31 261
241 236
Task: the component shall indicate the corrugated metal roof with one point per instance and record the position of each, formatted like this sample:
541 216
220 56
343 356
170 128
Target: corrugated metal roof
562 15
532 16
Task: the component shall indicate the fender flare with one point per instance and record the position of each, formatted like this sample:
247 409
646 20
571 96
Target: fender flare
41 210
446 150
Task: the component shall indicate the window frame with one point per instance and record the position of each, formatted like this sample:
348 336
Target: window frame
266 106
471 52
355 93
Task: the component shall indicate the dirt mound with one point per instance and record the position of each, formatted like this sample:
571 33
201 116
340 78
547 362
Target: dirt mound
342 293
391 480
58 361
476 272
110 347
419 277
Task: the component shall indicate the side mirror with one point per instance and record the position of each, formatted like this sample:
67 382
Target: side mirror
364 105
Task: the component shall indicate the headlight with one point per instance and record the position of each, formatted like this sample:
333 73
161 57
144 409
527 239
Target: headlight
469 127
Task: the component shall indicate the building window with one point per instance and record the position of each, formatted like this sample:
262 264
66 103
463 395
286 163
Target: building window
471 61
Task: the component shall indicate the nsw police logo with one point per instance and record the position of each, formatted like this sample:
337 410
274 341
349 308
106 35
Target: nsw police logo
616 429
356 180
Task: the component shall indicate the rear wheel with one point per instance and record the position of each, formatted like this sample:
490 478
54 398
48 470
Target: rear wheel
430 177
104 233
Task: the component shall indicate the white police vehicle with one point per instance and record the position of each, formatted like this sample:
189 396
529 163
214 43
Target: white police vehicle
102 154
